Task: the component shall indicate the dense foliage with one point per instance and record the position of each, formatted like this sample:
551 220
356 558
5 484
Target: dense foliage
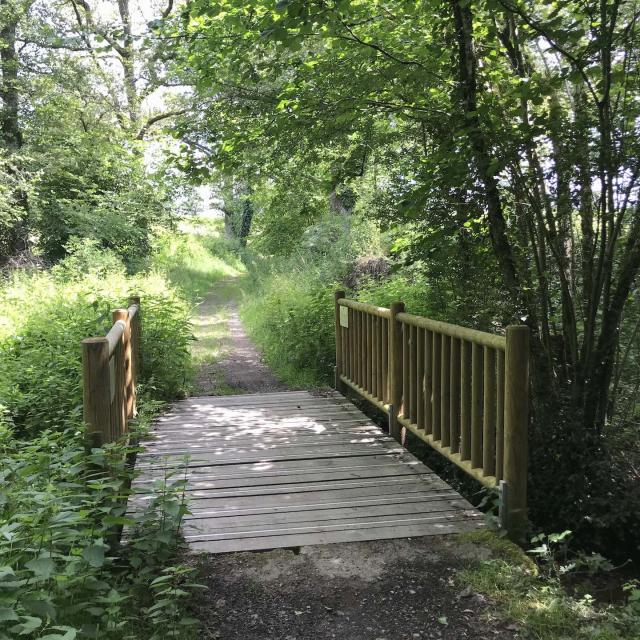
64 572
495 144
478 160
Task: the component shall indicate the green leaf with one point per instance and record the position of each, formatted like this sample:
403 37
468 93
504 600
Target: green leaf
69 634
42 567
7 613
94 555
28 625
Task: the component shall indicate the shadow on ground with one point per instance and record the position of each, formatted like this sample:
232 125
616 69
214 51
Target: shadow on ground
382 590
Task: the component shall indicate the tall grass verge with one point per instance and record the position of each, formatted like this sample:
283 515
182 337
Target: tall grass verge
196 256
63 572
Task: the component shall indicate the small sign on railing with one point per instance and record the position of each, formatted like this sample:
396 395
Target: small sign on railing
344 317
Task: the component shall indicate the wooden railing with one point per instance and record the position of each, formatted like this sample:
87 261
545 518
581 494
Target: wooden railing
462 391
110 367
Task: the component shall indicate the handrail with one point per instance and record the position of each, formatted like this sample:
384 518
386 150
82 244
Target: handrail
114 335
462 391
119 327
455 331
110 370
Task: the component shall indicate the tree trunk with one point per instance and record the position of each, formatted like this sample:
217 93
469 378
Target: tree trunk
245 224
16 235
9 63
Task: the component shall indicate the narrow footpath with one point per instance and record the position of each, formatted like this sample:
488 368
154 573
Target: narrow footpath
404 589
228 362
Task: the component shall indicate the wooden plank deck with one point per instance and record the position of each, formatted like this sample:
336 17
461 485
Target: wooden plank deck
289 469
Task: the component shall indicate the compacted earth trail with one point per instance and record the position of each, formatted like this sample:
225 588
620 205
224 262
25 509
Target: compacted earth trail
228 362
400 589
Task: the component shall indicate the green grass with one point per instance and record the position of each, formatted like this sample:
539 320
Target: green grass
538 604
289 316
211 332
206 267
196 256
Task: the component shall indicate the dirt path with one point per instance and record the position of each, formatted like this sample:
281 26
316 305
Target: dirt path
401 589
227 361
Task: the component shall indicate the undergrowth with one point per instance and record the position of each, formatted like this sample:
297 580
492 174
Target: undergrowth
64 574
535 602
196 256
288 309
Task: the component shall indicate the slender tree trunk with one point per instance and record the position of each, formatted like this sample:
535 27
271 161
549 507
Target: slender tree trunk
16 236
247 218
9 63
481 151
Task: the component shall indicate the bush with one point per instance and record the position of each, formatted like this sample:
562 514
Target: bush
62 574
289 309
194 260
292 322
46 316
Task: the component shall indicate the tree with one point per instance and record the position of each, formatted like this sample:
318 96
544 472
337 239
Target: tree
518 114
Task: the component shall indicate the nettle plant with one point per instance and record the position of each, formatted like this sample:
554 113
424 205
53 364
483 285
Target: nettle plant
64 573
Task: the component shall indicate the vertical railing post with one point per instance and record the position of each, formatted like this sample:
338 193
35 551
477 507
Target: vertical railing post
516 420
395 369
96 390
339 364
136 350
122 361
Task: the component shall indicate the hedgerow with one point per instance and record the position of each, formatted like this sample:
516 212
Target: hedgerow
64 573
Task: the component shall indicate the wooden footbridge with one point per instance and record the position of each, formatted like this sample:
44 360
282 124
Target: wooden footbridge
295 468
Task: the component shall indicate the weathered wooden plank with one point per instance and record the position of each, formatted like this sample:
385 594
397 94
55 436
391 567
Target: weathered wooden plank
232 503
412 525
247 418
230 451
351 514
423 502
401 482
205 512
289 468
188 405
177 425
294 409
282 443
311 478
225 434
301 466
254 396
266 428
264 457
446 527
258 399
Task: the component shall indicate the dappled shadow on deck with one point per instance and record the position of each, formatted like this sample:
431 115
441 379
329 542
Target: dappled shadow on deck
289 469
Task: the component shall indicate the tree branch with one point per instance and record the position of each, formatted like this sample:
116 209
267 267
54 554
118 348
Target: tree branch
158 118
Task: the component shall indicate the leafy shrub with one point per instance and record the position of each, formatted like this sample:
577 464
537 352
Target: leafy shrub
62 574
193 261
85 257
46 316
91 185
292 322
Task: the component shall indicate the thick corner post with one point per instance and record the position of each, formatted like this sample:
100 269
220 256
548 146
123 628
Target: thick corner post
395 369
96 391
516 421
122 365
339 364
